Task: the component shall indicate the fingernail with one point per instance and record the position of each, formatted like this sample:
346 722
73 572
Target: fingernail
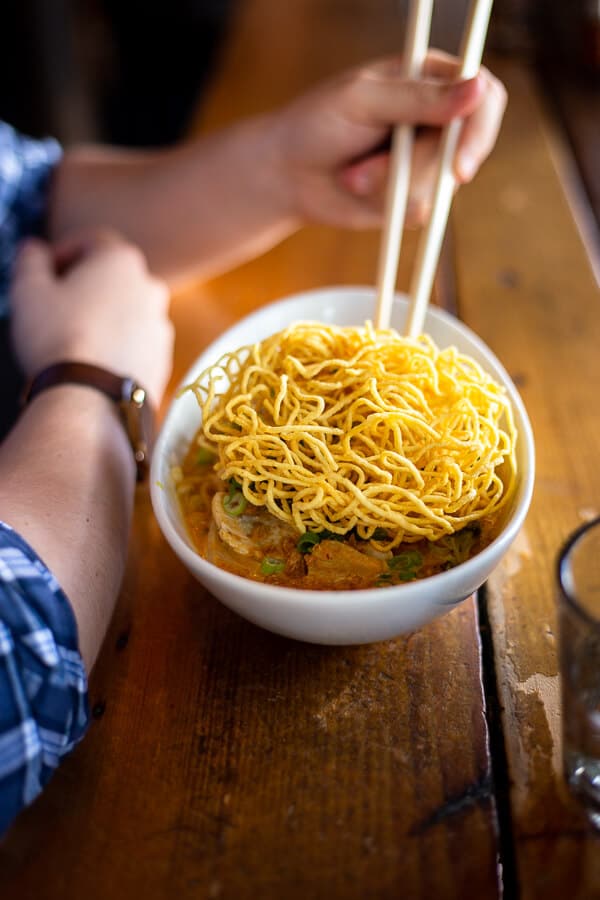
467 166
362 182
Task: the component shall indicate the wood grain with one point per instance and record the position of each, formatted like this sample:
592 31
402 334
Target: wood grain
226 762
526 286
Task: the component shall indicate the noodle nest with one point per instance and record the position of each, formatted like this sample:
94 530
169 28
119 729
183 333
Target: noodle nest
343 428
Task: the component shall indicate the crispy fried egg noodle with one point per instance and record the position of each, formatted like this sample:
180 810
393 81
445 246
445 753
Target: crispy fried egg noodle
355 428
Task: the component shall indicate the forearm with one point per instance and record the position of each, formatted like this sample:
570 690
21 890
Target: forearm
195 211
66 485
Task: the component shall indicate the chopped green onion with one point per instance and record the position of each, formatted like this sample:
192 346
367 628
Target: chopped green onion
380 534
271 566
463 541
407 575
310 538
205 457
234 503
307 541
410 559
383 579
405 565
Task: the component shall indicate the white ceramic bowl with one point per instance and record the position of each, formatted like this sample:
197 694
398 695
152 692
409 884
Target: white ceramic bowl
334 617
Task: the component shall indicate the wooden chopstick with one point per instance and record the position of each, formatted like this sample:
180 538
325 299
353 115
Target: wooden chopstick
415 49
429 247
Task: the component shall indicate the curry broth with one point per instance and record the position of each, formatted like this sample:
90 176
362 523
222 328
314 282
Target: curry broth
250 542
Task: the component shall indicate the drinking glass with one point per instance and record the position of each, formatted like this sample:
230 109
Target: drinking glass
579 645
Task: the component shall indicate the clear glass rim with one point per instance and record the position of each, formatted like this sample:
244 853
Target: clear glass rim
563 571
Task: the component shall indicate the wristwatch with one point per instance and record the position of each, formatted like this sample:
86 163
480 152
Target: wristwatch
131 398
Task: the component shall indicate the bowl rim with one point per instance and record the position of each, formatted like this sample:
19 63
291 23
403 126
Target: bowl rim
293 596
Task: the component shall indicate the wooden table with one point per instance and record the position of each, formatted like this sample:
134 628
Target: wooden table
226 762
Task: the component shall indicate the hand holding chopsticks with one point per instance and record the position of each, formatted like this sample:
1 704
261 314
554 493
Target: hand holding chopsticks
432 237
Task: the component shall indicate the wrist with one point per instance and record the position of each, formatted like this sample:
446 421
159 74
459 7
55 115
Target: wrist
87 420
127 398
261 147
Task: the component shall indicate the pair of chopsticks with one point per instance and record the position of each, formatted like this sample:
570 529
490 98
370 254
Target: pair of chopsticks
428 251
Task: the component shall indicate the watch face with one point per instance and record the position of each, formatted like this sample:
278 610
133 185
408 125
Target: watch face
139 422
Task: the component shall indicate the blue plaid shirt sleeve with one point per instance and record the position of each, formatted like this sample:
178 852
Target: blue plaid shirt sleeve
43 687
25 169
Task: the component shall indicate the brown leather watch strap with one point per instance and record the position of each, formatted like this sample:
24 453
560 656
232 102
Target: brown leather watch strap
103 380
135 408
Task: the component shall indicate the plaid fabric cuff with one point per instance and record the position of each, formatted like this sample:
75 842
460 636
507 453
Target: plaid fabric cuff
26 166
43 684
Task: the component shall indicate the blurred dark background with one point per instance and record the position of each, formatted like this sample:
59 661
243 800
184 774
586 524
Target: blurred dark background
126 71
133 71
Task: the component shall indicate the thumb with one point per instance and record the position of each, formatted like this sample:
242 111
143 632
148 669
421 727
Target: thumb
367 176
73 247
34 260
